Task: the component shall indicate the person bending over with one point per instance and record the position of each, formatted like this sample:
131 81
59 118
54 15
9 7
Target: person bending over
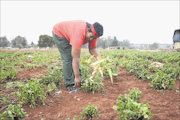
69 36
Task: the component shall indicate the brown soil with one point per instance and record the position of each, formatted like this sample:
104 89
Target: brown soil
31 73
164 104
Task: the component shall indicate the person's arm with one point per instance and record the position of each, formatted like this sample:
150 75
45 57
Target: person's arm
94 52
75 64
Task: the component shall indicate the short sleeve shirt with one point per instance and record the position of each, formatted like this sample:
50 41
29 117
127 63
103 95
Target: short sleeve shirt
74 32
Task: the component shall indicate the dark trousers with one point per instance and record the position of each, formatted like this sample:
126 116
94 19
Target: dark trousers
64 48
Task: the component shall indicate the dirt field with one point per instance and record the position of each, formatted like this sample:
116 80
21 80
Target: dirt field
165 105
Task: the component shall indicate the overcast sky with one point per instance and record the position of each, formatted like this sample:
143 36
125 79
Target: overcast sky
137 21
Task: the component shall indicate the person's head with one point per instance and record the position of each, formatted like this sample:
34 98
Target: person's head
94 32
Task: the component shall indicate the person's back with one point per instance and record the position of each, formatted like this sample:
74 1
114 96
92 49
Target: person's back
69 28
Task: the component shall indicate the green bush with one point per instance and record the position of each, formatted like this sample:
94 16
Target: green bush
53 79
13 112
31 93
90 112
135 94
55 76
169 69
93 84
130 109
7 73
162 81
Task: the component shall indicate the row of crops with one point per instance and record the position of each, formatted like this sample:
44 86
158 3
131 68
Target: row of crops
140 63
35 91
136 62
12 62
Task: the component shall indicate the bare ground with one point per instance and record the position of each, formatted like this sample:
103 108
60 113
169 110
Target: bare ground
164 104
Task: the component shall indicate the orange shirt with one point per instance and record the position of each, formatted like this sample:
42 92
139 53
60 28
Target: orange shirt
74 32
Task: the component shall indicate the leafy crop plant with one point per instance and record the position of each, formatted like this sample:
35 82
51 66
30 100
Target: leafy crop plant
129 108
13 112
90 112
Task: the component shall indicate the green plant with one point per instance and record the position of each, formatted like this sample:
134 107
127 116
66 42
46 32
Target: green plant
53 79
144 75
92 77
90 112
162 81
93 83
129 107
106 67
55 76
7 73
51 87
174 71
135 94
4 100
13 112
85 70
31 93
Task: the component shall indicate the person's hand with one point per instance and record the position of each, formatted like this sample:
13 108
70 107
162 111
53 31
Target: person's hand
77 81
99 57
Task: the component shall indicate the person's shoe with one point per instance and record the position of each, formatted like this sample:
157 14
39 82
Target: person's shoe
71 88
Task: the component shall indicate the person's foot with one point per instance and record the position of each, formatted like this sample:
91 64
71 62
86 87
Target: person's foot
71 88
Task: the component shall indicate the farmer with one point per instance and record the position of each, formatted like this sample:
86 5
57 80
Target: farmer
69 36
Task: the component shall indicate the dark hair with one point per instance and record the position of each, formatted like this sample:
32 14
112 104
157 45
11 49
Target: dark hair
98 28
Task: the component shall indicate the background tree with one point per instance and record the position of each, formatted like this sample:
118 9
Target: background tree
104 43
99 42
4 42
108 41
32 43
19 41
19 46
45 41
124 43
154 46
115 42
